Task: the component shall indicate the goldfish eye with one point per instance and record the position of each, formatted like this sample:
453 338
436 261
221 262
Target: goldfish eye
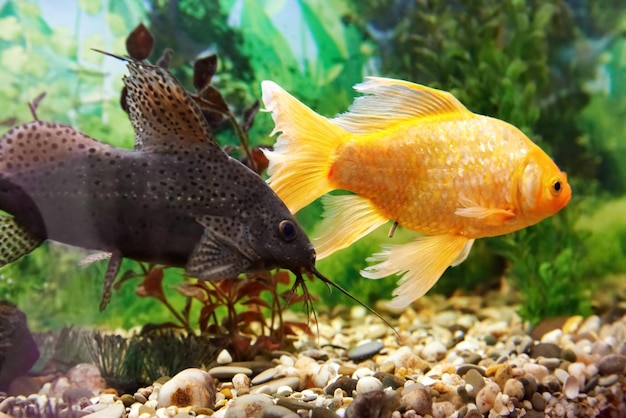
556 187
287 230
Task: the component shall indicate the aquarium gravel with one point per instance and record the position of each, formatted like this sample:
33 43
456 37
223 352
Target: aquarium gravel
463 356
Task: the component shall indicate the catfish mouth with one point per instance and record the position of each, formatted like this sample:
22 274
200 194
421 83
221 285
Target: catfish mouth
311 270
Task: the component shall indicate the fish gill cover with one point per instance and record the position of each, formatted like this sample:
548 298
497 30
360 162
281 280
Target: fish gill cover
538 65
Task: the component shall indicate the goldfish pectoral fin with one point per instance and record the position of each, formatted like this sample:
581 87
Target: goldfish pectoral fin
490 216
388 102
15 240
163 114
301 159
420 264
346 219
212 260
115 261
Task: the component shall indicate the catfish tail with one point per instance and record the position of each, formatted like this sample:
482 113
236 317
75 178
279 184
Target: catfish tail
300 164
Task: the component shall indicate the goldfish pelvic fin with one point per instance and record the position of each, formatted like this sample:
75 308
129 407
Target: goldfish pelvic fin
163 115
115 262
420 264
491 216
302 157
15 240
389 102
220 253
346 219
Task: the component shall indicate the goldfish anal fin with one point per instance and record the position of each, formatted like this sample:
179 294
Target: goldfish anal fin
163 115
490 216
302 157
346 219
221 252
388 102
115 262
15 240
421 263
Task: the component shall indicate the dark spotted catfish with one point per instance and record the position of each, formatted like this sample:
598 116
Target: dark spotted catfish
176 199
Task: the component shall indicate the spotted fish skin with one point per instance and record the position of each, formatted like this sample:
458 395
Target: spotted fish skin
176 199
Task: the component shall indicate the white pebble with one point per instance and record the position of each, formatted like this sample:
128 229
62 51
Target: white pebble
571 387
362 372
561 374
224 357
368 384
284 390
434 351
552 337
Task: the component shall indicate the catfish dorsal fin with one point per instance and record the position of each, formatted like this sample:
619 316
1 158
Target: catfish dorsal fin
161 111
388 102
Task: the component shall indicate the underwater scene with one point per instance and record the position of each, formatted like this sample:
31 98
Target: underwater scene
313 208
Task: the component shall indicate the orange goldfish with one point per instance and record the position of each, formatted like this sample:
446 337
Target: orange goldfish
416 156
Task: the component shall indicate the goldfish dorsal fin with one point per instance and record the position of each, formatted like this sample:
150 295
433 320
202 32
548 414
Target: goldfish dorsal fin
163 115
346 219
388 102
420 264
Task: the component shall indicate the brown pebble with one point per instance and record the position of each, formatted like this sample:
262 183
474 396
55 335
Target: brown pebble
202 411
569 355
503 375
464 368
389 380
346 370
419 400
476 380
319 412
539 403
128 400
534 414
486 397
545 350
613 363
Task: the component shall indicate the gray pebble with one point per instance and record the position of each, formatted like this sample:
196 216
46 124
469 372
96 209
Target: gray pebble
610 364
365 351
569 355
389 380
264 376
227 372
591 383
530 385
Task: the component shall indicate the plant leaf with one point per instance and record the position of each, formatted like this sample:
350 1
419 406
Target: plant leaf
139 43
203 71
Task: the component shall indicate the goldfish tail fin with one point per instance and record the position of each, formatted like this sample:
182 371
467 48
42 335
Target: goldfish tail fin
346 219
420 264
300 163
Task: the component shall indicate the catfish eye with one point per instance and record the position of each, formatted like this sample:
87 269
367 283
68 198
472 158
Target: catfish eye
287 230
556 187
